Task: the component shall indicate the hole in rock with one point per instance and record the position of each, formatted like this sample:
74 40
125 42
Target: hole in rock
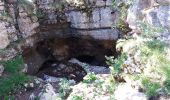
50 57
87 59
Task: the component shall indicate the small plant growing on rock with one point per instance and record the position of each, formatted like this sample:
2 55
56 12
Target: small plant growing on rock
148 30
64 88
150 87
90 77
116 66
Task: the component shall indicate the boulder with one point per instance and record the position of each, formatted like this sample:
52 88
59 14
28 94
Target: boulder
4 39
48 93
126 92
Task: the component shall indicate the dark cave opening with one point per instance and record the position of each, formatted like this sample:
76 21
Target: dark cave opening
51 56
87 59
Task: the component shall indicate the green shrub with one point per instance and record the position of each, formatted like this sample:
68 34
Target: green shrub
11 83
14 78
90 77
150 87
116 64
76 97
148 30
14 65
64 87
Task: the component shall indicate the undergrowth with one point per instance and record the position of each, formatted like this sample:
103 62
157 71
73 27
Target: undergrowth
14 78
155 74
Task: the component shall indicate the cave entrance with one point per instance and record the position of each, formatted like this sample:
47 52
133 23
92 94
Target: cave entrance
51 56
87 59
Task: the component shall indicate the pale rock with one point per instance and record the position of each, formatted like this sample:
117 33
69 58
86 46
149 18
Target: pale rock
134 14
8 54
99 18
32 97
4 41
100 34
90 68
102 3
126 92
1 69
48 93
151 12
163 2
158 17
51 78
27 27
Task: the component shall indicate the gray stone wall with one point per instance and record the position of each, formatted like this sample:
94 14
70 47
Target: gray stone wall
16 26
23 24
92 18
155 12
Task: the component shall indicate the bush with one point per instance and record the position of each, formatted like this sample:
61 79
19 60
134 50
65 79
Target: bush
12 83
14 78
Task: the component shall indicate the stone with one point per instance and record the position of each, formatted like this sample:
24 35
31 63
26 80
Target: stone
159 17
32 97
103 3
51 78
98 18
4 39
100 34
163 2
1 70
8 54
135 12
91 68
156 13
126 92
27 27
48 93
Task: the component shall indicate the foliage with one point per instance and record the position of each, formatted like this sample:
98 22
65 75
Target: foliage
150 87
122 26
156 45
27 6
153 61
90 77
5 16
64 87
148 30
76 97
121 7
12 83
14 79
14 65
116 64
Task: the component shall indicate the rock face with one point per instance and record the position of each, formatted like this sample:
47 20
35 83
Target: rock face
55 18
15 25
154 12
26 24
163 2
92 18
